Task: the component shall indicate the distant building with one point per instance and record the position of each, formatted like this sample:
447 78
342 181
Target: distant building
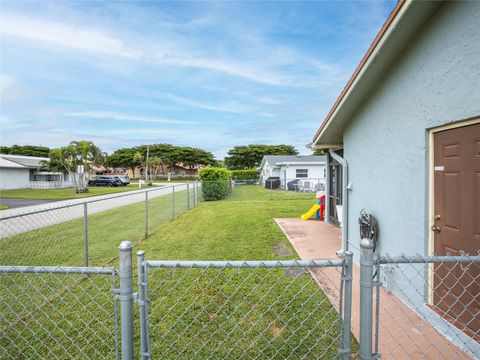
21 172
163 171
292 169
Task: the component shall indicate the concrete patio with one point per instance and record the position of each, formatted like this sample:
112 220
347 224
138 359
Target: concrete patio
403 334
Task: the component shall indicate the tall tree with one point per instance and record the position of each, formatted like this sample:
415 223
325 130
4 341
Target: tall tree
319 152
250 156
123 158
25 150
192 157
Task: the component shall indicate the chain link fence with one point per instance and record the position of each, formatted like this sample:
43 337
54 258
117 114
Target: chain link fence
282 188
57 313
244 310
410 307
84 232
428 307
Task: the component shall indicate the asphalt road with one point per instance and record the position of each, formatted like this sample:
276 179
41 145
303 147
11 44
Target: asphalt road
20 220
18 203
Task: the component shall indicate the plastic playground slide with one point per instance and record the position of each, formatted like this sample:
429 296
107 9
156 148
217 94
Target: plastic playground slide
310 212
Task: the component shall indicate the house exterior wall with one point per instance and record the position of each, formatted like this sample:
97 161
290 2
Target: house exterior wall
435 82
267 171
14 178
314 171
289 172
163 171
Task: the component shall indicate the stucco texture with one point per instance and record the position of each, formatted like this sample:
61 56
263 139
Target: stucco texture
434 82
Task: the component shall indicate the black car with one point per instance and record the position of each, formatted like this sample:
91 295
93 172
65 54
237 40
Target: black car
272 183
105 181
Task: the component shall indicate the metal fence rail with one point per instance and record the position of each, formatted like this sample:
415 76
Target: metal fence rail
242 310
410 307
57 313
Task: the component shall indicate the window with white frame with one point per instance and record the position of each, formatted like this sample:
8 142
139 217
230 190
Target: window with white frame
302 173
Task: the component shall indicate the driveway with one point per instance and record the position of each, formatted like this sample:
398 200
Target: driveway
18 203
21 220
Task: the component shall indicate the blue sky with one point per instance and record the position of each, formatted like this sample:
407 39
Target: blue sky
206 74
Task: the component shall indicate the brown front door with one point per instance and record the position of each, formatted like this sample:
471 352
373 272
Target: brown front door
457 223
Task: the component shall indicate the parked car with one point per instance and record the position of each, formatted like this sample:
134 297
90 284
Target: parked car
105 181
124 179
272 183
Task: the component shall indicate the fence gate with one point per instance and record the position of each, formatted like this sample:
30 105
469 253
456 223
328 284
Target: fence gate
244 309
50 312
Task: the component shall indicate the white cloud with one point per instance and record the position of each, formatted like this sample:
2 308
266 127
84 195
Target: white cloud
95 40
226 107
60 34
243 70
103 115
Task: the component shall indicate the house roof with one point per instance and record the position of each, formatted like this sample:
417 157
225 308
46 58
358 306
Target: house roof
396 34
4 163
31 162
292 159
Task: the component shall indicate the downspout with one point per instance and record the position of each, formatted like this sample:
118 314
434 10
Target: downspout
345 187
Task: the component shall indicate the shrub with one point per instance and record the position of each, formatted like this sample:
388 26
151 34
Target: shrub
215 183
244 175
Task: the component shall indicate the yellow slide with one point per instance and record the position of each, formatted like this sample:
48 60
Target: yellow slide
310 212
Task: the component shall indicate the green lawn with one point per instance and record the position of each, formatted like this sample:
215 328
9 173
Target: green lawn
59 194
3 207
194 313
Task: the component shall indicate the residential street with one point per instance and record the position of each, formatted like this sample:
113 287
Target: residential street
47 214
21 203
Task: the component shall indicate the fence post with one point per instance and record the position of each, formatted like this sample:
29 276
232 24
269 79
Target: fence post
85 234
188 196
126 300
143 302
173 202
194 194
366 298
347 311
199 192
146 214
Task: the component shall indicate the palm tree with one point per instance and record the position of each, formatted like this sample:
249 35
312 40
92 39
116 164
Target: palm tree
81 152
154 163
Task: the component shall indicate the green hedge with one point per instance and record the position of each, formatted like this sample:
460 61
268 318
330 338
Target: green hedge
244 175
215 183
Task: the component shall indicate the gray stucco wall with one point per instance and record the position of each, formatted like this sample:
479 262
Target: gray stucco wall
436 81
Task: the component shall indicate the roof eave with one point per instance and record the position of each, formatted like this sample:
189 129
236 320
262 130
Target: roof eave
395 34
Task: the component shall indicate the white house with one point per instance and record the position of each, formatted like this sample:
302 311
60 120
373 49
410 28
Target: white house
295 171
20 172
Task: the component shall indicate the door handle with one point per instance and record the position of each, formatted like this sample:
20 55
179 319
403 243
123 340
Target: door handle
436 228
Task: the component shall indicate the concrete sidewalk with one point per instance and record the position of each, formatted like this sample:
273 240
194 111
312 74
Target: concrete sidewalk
403 334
